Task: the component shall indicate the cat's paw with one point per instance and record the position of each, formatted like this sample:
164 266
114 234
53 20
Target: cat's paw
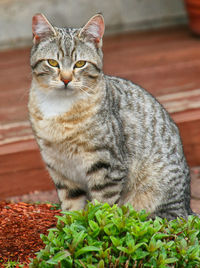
73 204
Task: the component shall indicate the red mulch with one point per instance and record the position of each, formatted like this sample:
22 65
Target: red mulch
20 228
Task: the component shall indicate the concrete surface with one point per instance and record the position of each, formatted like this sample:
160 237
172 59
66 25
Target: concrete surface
120 15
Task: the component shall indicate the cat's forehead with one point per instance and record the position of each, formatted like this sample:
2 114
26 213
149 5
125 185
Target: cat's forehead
66 46
66 39
67 32
68 42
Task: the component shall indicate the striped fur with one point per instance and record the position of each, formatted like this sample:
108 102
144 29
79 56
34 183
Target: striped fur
102 137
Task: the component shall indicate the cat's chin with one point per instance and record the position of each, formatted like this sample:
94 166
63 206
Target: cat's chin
67 90
70 91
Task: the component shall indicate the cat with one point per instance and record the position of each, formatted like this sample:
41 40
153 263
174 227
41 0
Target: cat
102 137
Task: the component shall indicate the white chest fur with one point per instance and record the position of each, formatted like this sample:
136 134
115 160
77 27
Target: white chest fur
54 103
69 165
59 153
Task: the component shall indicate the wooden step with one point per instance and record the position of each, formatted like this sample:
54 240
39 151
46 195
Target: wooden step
165 62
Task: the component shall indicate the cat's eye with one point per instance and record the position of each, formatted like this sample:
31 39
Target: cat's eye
53 63
79 64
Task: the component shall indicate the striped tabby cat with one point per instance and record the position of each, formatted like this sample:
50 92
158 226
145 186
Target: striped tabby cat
102 137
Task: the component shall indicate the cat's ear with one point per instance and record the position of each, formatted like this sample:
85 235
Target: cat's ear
94 30
41 28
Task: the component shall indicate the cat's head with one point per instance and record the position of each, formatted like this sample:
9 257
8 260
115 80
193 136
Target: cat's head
66 59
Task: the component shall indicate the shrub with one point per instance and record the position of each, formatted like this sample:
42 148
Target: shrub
103 236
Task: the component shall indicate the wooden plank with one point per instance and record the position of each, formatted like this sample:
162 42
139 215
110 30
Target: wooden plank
181 101
13 132
190 134
22 170
21 160
15 77
17 147
186 116
167 79
24 181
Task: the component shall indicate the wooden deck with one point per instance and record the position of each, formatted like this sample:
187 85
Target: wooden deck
166 62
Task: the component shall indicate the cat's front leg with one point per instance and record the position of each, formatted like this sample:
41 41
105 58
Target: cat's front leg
105 185
71 199
71 196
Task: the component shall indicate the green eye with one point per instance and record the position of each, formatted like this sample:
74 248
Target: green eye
80 64
53 63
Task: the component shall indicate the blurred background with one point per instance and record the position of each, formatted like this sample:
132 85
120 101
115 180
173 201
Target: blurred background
120 15
154 43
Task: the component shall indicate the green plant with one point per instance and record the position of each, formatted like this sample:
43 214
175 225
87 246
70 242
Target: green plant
103 236
12 264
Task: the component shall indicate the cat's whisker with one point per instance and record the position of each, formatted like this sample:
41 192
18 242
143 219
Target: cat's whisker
85 91
92 90
80 85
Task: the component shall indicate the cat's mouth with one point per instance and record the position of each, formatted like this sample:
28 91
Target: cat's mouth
65 86
67 89
66 82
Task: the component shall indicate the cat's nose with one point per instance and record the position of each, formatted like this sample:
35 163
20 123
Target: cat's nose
66 81
66 77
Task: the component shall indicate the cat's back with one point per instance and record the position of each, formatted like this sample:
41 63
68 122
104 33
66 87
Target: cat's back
131 96
133 100
145 122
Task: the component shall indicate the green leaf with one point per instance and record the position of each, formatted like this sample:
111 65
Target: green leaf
78 239
44 238
137 246
194 252
116 241
182 245
158 224
171 260
159 236
92 212
109 228
140 254
86 250
62 219
101 264
99 215
129 240
123 249
194 236
59 257
154 245
93 225
102 236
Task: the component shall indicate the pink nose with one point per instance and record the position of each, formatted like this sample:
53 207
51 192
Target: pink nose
66 81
